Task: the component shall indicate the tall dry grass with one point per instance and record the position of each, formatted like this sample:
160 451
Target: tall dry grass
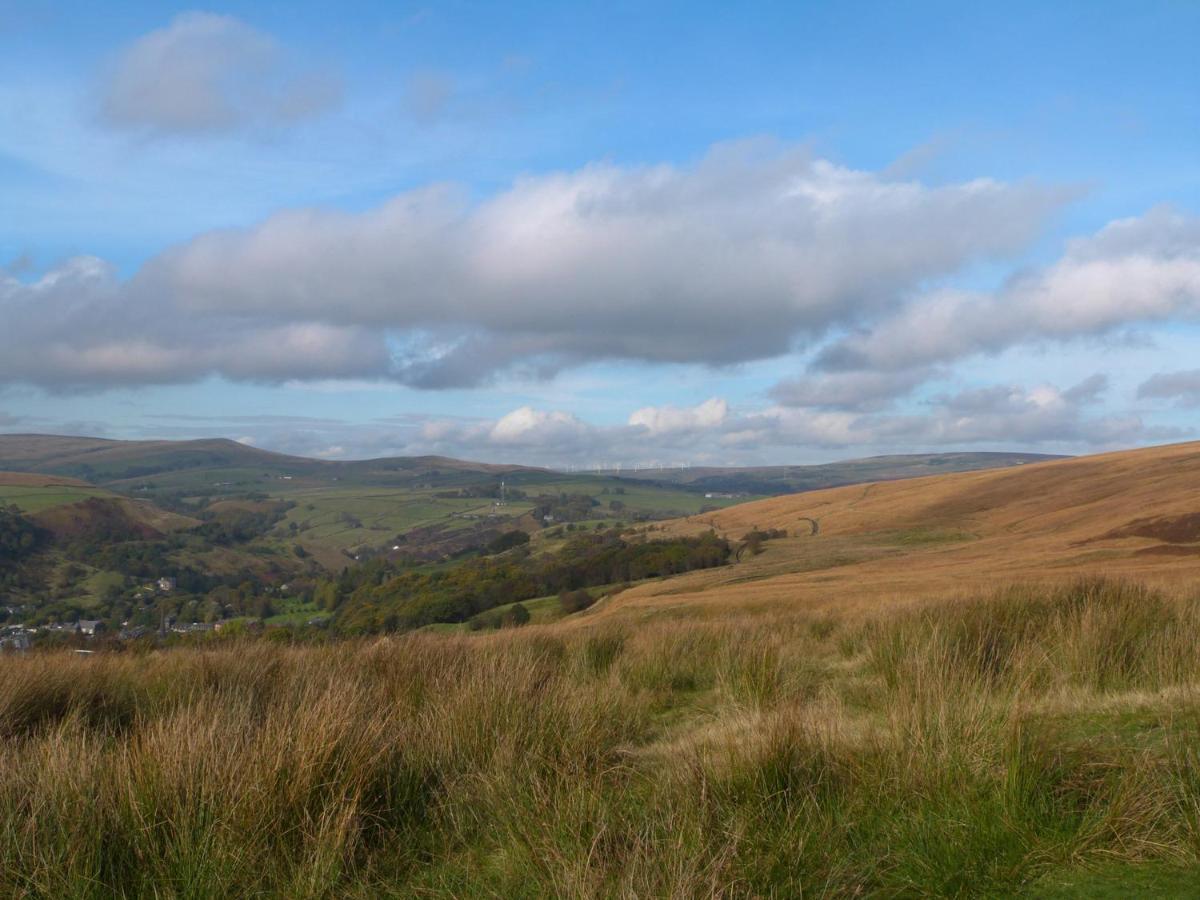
955 750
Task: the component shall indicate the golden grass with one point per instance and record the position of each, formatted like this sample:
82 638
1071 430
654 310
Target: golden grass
943 536
949 749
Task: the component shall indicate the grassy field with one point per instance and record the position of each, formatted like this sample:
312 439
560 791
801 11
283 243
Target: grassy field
35 498
349 517
1037 743
340 518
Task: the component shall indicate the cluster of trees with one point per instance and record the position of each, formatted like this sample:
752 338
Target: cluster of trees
566 507
380 597
481 491
242 526
753 541
19 538
575 601
507 541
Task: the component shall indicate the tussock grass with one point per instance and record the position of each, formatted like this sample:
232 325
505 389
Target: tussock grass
959 749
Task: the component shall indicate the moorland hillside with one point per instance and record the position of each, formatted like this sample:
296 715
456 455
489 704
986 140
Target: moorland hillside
1130 514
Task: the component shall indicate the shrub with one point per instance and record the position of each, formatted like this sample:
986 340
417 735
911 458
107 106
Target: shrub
575 601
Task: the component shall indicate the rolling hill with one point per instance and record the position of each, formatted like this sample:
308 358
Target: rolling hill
1132 514
68 507
125 465
219 462
31 492
771 480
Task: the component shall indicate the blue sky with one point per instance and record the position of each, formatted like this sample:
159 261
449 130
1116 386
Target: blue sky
576 234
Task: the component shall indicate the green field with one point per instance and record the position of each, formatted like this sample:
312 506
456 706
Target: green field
35 498
342 518
328 516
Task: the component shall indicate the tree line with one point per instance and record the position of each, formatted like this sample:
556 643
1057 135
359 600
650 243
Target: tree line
379 597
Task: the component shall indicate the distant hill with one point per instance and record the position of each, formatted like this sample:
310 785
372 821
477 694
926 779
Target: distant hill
229 467
217 461
772 480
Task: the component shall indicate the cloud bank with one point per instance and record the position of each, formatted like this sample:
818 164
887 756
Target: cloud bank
1133 271
755 250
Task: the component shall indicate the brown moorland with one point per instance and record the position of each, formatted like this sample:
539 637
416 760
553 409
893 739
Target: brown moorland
36 479
1130 514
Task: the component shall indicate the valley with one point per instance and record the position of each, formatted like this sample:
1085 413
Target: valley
979 683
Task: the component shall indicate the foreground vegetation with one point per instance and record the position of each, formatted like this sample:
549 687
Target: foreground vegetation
1042 741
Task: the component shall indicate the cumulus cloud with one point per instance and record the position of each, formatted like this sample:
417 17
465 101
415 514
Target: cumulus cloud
211 73
714 432
1140 270
533 426
996 416
752 251
662 420
1182 387
79 326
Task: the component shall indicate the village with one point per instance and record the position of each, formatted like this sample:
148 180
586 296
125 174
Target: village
19 636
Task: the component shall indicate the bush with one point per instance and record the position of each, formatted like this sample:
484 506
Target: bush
575 601
515 616
507 541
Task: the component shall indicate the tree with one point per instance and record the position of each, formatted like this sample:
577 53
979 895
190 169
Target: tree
574 601
515 616
507 541
19 537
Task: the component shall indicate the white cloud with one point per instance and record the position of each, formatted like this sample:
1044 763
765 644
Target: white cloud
997 416
210 73
661 420
1133 271
745 255
532 426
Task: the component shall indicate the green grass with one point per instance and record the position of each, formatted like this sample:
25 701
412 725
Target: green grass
1119 882
34 499
649 499
292 611
321 514
343 518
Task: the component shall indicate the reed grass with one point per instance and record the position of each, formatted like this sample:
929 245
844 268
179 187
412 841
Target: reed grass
977 748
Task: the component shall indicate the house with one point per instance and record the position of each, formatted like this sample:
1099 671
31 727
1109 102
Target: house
193 628
16 642
90 627
166 585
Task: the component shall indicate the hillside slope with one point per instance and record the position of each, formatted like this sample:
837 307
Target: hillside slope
1127 514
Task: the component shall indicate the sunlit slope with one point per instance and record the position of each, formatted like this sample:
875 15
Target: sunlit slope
68 508
32 493
1134 513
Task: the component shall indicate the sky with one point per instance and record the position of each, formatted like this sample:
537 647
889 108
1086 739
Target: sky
619 234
